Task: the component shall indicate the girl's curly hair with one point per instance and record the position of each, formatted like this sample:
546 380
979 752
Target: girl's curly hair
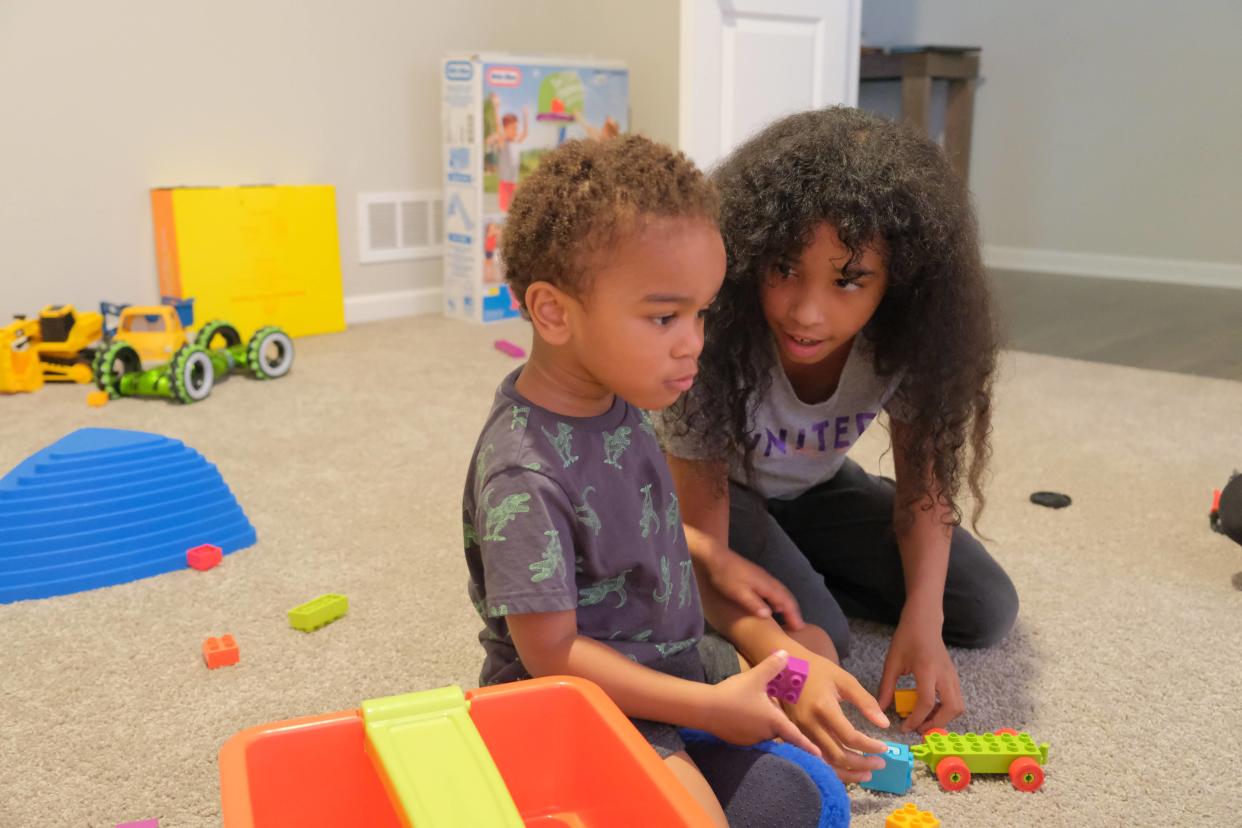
874 181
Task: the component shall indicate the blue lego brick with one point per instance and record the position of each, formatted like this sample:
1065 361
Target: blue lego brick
106 506
897 775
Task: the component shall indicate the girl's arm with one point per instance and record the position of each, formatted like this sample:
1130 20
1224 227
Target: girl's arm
818 712
737 710
703 497
923 539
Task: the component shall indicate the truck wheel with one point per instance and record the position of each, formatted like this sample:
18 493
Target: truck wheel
191 374
112 363
217 329
1005 731
953 773
1026 774
269 354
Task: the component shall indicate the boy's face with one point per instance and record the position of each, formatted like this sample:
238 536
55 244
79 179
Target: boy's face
817 303
638 331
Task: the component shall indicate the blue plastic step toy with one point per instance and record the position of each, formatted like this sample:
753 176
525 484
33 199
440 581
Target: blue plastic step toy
104 506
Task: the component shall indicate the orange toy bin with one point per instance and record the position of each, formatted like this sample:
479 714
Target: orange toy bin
568 756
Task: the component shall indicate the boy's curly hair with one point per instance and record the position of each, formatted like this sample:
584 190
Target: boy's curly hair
872 180
585 197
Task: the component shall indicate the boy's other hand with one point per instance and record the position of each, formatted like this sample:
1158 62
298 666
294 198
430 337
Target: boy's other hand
744 714
753 588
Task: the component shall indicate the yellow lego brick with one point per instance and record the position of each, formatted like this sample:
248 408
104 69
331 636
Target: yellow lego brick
909 816
903 701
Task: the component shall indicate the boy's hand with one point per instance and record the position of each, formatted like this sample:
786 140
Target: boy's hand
818 714
918 648
744 714
752 587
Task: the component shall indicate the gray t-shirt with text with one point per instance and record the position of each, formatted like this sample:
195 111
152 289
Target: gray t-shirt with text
795 445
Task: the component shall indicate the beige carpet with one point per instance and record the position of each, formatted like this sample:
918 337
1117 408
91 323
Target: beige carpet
1125 657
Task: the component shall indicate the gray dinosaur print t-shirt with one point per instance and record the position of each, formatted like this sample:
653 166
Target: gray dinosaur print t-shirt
575 513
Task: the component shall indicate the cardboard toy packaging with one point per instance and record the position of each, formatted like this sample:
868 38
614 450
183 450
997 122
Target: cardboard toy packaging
500 115
254 256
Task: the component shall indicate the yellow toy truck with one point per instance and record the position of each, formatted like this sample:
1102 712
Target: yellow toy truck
57 347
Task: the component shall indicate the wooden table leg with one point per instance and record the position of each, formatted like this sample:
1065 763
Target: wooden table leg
916 101
959 111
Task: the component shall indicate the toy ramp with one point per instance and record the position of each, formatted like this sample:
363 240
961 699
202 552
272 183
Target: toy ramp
107 506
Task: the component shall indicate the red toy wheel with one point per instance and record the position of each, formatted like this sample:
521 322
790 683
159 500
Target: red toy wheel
1006 731
953 773
1026 774
939 730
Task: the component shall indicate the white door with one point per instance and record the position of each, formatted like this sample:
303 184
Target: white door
745 63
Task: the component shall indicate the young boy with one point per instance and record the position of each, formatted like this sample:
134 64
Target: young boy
577 557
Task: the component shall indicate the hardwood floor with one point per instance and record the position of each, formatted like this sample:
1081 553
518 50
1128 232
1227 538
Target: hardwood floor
1190 330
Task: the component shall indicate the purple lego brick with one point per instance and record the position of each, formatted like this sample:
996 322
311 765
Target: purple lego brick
788 685
142 823
507 347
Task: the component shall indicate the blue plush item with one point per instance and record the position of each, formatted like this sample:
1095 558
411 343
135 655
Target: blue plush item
738 774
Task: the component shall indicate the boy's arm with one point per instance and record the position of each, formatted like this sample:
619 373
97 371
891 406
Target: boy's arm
549 644
923 539
736 710
703 497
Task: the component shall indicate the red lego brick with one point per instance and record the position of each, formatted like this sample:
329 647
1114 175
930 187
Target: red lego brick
220 652
204 557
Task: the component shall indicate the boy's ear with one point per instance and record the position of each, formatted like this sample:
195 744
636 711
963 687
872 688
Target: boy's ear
548 308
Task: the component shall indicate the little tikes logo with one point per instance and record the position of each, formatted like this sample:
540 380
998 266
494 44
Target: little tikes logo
458 70
504 75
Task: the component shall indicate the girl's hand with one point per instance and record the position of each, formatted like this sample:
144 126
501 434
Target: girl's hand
752 587
744 714
918 648
818 714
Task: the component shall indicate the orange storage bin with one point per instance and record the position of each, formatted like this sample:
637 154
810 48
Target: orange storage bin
567 754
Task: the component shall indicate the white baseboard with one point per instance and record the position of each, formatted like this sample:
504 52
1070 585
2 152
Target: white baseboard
375 306
1172 271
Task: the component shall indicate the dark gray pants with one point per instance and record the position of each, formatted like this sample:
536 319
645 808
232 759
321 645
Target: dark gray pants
835 549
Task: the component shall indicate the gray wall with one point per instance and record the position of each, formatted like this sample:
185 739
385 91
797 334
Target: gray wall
101 101
1104 127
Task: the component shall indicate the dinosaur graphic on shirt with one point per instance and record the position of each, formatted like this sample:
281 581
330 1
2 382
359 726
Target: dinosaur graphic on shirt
562 442
647 426
469 536
587 515
518 414
683 594
650 521
499 516
553 560
674 647
672 514
480 462
600 590
615 445
661 596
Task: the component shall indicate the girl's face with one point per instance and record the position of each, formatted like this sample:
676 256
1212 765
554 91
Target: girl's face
818 302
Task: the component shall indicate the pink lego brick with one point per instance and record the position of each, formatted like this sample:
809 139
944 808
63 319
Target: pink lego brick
204 557
788 685
507 347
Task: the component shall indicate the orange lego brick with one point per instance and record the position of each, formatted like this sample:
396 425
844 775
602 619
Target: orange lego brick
903 701
97 399
909 816
220 652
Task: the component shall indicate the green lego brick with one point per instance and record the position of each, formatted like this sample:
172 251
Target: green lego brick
982 752
318 611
